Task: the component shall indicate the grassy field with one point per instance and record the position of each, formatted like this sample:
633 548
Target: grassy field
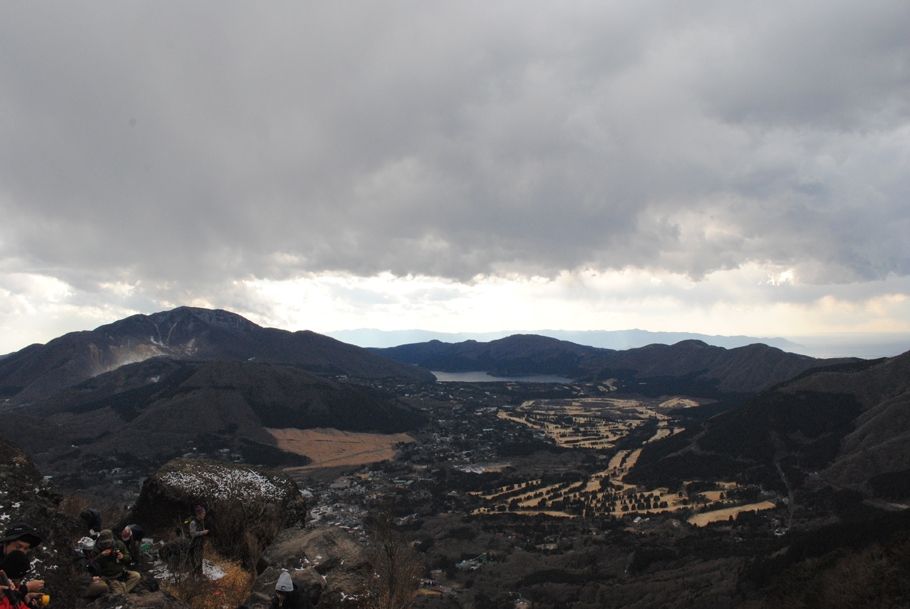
331 447
704 518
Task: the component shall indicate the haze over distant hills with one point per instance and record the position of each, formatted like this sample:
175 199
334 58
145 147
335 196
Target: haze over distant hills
604 339
868 346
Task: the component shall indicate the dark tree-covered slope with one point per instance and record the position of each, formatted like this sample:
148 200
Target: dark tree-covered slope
160 408
688 365
847 426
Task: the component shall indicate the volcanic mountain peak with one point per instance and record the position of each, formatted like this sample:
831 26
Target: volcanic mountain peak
166 326
185 332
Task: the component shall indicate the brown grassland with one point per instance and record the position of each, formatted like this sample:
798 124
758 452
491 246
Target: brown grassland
331 447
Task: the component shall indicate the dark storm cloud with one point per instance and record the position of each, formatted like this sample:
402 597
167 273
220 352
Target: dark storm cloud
209 141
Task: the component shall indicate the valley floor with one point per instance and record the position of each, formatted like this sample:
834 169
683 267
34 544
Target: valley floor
508 495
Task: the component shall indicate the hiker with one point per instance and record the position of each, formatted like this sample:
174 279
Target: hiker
110 563
131 536
198 534
14 595
18 540
92 519
287 594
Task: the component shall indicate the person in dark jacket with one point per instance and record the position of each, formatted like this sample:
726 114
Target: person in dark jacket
91 518
14 593
110 562
198 533
288 595
18 540
131 536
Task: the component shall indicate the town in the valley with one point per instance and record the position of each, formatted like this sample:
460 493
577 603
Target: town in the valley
506 475
509 474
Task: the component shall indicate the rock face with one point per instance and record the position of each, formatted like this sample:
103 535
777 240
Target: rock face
25 497
148 600
247 506
327 563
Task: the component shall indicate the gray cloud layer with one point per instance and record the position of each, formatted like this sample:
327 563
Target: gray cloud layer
221 140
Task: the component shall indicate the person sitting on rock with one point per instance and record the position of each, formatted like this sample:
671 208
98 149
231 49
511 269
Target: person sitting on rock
18 540
110 562
92 519
131 536
14 594
287 594
198 533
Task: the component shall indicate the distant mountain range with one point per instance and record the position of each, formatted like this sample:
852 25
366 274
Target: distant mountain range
152 385
604 339
38 371
687 367
867 346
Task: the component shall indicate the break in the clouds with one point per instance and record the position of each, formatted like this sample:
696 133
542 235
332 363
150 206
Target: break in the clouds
180 151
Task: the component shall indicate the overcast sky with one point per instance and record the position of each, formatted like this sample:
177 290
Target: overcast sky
705 166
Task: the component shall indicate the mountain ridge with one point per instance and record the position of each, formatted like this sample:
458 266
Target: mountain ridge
37 371
603 339
740 370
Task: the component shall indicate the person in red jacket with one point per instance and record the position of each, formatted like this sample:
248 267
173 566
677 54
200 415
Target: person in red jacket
18 540
14 593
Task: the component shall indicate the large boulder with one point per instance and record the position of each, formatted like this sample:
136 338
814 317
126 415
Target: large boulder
247 506
326 562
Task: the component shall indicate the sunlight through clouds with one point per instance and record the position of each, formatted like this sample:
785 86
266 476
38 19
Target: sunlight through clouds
707 167
726 302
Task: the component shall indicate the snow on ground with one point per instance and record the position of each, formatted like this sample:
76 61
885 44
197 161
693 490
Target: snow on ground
220 482
210 570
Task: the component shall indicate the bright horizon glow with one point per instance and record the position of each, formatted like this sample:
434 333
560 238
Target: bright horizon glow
741 302
752 301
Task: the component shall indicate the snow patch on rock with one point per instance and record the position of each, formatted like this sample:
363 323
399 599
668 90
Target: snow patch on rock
220 482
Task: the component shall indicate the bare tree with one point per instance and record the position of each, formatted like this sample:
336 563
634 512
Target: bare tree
396 567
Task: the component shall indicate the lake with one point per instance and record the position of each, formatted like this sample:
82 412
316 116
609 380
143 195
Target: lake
485 377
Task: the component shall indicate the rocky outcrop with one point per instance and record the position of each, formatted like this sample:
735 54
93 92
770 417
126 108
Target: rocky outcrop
146 600
327 563
247 506
26 497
